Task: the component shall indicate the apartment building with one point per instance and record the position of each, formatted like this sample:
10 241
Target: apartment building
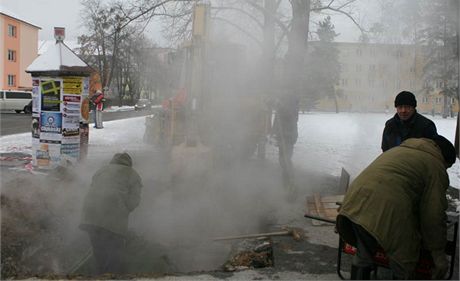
18 48
372 75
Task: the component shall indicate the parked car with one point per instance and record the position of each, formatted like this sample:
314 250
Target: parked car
143 104
15 100
28 108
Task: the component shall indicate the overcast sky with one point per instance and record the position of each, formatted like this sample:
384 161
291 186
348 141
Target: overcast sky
66 13
47 14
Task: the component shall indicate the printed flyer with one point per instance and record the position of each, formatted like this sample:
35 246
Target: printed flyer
35 127
72 85
51 95
35 97
70 147
50 126
49 154
71 112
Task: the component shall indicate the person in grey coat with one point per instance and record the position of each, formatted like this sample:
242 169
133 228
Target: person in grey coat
114 193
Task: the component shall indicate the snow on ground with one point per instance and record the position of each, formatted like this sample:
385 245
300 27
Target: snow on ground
327 141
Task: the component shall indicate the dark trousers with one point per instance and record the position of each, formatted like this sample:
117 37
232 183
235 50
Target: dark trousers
108 249
285 159
363 262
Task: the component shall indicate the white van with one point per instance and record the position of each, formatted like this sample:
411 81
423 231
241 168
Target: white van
16 100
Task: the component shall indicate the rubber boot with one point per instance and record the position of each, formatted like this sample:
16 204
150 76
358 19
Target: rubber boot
360 273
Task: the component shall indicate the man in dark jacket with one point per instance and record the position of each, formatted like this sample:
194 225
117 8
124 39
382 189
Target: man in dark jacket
398 203
406 123
286 133
114 193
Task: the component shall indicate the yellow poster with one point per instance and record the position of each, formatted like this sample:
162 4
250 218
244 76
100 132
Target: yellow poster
72 85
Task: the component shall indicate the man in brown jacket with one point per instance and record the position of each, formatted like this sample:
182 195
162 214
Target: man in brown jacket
398 203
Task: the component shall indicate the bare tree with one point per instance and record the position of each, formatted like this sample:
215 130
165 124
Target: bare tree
101 45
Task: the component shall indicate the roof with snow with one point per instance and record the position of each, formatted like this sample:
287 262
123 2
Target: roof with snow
43 45
59 60
15 16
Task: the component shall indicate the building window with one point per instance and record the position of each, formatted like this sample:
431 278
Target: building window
398 84
358 68
412 69
425 100
11 55
383 84
344 82
438 100
358 82
372 67
439 84
371 83
11 30
12 80
359 52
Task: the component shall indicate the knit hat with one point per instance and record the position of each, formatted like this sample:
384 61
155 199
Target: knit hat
122 159
447 149
405 98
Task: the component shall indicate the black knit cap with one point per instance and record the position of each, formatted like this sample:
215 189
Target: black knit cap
405 98
447 149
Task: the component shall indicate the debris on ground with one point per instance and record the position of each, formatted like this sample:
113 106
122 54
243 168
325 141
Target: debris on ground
251 254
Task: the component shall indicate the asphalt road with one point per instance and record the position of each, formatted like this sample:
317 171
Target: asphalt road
13 123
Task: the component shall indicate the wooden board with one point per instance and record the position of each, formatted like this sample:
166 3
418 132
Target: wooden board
323 206
326 206
344 181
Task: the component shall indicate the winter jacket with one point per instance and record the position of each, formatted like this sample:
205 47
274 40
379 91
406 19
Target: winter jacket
396 131
114 193
400 199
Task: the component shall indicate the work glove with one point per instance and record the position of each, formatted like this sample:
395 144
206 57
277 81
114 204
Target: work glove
440 265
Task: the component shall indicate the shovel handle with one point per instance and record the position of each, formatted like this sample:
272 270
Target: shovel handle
278 233
319 218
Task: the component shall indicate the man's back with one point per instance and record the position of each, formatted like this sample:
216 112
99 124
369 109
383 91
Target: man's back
114 193
400 200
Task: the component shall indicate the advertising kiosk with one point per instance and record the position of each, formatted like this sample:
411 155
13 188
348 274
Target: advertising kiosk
60 105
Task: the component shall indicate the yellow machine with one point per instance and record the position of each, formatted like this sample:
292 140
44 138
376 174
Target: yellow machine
215 106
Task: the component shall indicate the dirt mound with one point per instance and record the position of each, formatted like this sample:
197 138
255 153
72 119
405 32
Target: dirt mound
28 229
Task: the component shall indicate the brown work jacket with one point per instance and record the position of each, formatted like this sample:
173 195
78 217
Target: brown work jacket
400 199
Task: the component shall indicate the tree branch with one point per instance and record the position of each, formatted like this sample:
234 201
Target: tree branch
260 24
240 29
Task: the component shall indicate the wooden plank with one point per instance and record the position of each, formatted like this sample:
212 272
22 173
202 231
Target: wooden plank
332 199
317 204
344 181
326 206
